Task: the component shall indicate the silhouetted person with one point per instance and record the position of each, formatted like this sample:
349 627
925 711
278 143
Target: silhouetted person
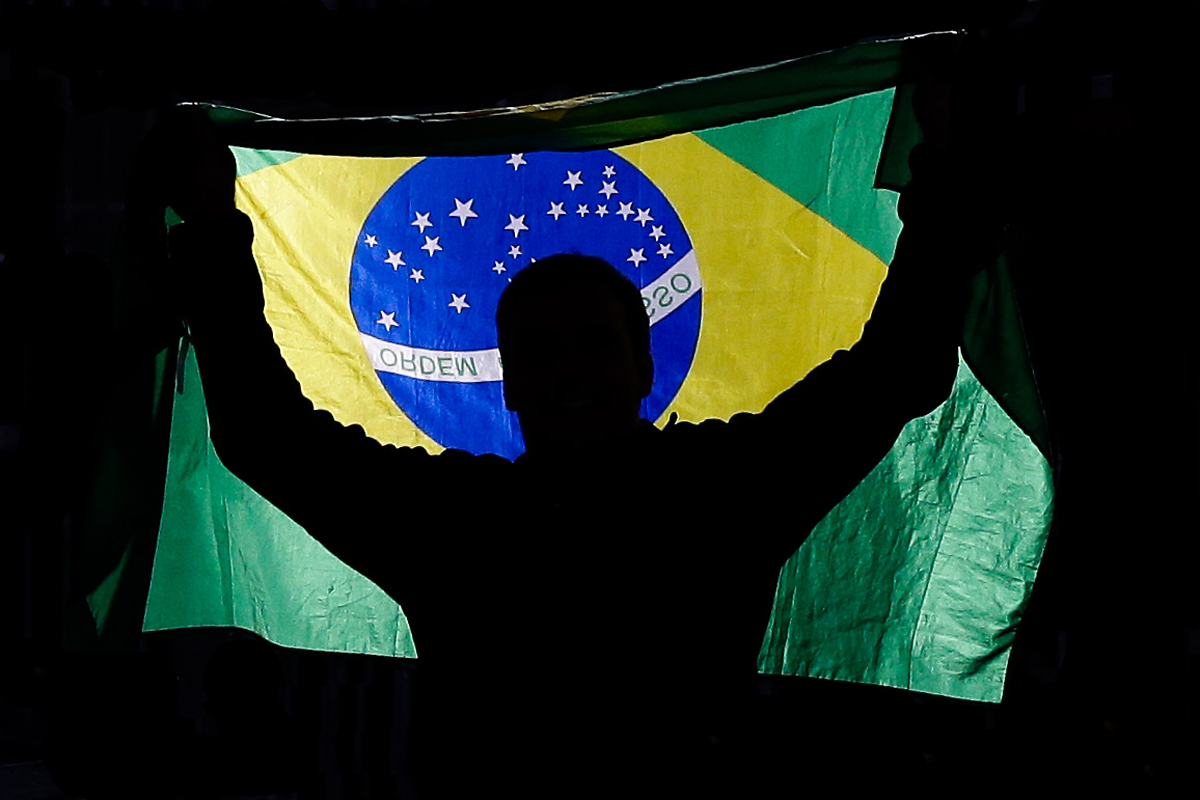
587 617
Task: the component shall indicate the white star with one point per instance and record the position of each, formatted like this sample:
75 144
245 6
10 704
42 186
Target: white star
609 189
643 216
463 210
637 256
609 172
395 259
499 267
602 211
431 245
656 232
388 321
417 275
625 211
517 160
516 225
422 221
514 251
582 210
665 250
573 179
459 302
371 241
556 210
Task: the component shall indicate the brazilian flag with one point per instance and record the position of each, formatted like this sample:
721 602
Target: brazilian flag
750 210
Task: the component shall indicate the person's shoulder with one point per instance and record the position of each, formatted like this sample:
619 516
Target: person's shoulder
676 429
683 439
359 452
469 460
449 457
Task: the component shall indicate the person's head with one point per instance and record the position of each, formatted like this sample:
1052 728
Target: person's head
575 344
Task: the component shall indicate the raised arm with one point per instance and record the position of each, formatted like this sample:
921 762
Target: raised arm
341 486
817 440
847 413
260 422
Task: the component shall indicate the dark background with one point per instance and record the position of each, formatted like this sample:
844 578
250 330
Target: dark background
1090 163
